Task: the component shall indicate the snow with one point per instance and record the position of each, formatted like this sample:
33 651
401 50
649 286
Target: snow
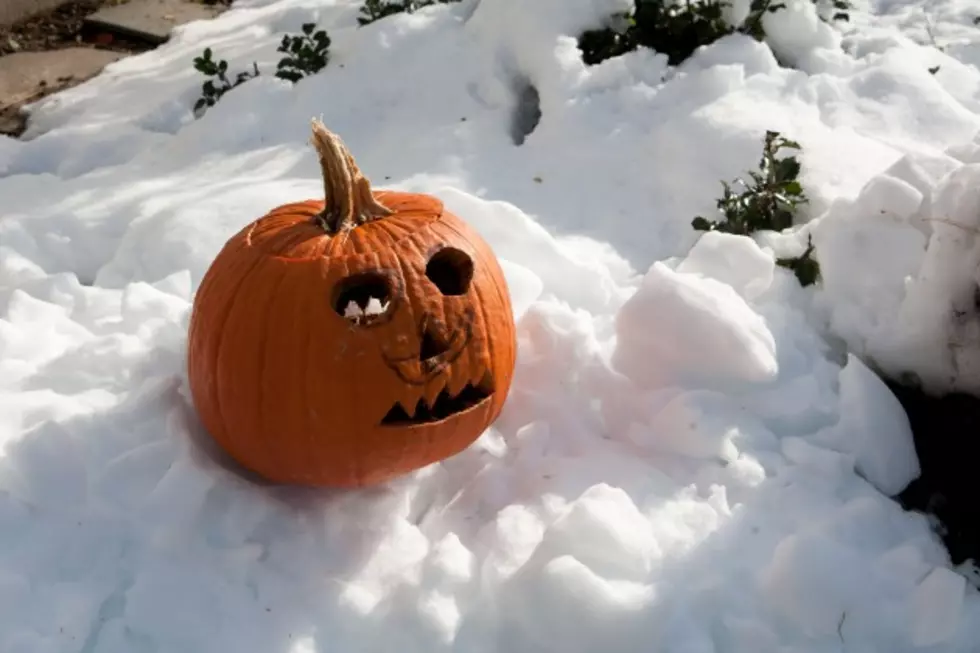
696 454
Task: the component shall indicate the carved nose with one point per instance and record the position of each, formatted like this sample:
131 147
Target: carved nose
433 343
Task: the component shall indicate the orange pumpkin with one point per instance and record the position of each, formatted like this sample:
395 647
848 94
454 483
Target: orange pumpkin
349 341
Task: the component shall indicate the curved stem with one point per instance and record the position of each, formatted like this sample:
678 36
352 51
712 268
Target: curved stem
349 201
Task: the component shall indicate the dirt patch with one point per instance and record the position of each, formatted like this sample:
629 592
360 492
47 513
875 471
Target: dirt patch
57 29
63 27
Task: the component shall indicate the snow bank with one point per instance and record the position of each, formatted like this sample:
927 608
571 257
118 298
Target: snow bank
124 526
683 463
901 271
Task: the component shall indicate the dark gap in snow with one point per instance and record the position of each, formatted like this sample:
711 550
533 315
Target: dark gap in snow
527 112
946 431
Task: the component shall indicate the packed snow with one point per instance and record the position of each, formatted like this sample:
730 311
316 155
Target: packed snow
697 454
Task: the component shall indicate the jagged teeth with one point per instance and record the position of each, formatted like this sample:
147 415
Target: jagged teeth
432 395
456 385
352 310
374 307
409 408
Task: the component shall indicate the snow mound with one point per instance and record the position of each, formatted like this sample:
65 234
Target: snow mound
901 271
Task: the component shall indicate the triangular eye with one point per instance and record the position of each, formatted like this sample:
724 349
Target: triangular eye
451 270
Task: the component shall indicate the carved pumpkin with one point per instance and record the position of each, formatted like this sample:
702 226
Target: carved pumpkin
348 341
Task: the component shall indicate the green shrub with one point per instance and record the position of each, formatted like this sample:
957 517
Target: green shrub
677 29
213 89
306 54
373 10
769 202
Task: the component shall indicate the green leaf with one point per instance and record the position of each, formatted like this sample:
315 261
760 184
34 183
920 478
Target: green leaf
793 188
787 143
289 75
701 224
804 267
787 170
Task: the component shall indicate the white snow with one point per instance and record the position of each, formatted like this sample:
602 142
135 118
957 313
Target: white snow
689 460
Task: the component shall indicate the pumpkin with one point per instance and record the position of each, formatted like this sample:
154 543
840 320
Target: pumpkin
347 341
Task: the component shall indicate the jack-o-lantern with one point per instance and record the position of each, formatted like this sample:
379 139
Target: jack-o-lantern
348 341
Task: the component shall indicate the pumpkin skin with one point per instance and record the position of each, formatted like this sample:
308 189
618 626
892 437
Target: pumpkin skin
298 393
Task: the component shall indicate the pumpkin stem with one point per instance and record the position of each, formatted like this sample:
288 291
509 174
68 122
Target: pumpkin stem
349 200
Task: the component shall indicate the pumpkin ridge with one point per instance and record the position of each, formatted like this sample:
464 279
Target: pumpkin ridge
308 370
395 231
388 227
263 353
235 292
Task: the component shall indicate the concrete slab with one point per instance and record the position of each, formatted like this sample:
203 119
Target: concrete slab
150 20
27 75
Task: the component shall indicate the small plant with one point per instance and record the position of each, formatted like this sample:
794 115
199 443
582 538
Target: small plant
769 202
676 30
373 10
213 89
805 267
752 25
306 54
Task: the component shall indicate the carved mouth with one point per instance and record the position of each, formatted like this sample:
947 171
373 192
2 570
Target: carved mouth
444 406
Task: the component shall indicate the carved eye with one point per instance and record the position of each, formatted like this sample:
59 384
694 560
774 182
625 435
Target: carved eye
363 298
451 270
